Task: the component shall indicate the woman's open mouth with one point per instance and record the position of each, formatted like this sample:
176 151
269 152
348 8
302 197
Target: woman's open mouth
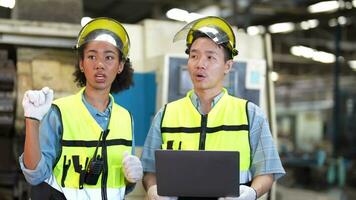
100 77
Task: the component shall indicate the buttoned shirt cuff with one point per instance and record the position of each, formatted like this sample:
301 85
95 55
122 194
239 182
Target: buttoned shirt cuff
32 176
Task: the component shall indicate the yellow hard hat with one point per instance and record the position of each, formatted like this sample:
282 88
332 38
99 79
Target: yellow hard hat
107 30
215 28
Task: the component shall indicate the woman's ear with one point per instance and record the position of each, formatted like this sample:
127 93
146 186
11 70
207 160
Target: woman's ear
121 67
81 66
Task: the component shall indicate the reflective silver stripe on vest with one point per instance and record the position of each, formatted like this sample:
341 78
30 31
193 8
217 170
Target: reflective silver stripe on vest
86 193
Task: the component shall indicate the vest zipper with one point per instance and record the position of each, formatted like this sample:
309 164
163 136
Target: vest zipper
204 121
105 168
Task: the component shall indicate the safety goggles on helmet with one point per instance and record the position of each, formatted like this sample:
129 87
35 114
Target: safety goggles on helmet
215 28
107 30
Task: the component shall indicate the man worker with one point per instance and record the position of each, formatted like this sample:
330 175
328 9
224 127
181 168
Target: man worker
224 122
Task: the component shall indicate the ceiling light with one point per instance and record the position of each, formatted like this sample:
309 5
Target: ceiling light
323 57
354 3
332 22
182 15
302 51
177 14
7 3
274 76
313 54
255 30
312 23
342 20
348 5
281 27
352 64
324 6
85 20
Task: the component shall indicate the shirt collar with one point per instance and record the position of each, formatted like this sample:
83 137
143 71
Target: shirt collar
196 102
95 111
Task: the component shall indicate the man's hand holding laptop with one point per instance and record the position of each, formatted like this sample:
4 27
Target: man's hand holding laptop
246 193
152 194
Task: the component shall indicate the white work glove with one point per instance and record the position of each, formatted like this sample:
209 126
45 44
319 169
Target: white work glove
152 194
36 103
246 193
132 167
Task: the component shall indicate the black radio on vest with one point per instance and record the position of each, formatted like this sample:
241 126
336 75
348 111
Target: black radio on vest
96 164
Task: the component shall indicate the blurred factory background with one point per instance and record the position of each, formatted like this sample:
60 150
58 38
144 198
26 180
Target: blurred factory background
297 61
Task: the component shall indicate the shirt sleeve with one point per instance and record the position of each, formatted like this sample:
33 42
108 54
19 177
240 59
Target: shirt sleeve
153 141
265 157
50 131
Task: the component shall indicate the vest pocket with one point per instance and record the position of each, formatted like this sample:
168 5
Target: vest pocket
79 169
172 145
65 170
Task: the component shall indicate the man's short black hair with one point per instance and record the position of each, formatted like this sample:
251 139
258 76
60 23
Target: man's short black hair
199 34
121 82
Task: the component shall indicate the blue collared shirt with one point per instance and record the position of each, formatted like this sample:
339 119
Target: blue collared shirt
50 137
265 158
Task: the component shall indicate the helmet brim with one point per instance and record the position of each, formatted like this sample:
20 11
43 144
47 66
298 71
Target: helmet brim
217 29
212 31
107 30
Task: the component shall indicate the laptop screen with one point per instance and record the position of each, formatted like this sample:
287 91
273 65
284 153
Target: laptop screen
197 173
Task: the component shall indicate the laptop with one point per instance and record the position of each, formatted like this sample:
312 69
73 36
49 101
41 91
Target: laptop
197 173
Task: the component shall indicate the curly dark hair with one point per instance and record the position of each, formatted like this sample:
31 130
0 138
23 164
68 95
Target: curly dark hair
123 81
199 34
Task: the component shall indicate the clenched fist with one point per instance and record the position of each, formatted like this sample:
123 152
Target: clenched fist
36 103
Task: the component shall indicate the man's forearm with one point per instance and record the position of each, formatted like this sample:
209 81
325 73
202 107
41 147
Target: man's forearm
262 184
148 180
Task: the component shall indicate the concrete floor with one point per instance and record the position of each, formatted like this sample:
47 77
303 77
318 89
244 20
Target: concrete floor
282 193
285 193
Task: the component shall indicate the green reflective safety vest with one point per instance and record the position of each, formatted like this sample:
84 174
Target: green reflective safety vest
79 140
226 127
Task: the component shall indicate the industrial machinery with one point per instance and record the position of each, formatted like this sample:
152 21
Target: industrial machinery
7 93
